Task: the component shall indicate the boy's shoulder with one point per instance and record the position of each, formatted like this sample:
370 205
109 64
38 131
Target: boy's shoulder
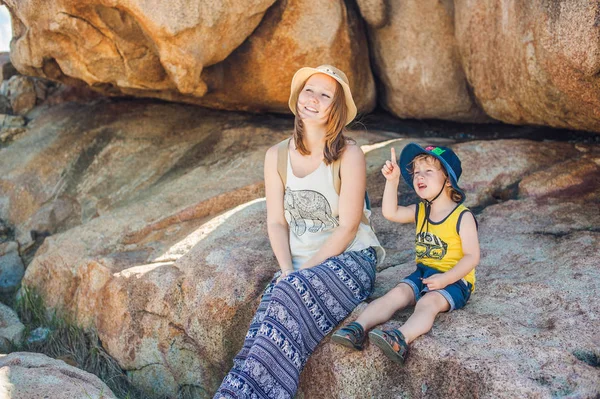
465 217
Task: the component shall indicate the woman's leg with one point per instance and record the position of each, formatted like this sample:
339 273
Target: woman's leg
303 308
240 358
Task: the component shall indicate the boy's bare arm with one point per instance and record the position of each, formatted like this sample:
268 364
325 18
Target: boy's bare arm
470 259
389 206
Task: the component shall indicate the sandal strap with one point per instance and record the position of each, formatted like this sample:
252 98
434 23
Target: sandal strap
397 336
354 330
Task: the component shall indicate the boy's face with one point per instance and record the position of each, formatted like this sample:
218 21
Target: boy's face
428 178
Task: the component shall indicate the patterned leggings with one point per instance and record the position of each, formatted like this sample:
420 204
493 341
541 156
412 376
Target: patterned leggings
292 318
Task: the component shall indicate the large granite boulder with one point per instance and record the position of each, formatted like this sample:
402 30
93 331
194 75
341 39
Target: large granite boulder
529 329
417 60
530 62
145 196
293 34
78 162
7 69
533 62
184 51
11 328
33 375
130 46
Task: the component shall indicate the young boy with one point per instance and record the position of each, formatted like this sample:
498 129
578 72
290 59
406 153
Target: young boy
446 246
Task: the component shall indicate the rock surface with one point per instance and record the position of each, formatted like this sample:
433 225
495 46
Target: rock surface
168 238
150 208
33 375
528 330
417 60
130 46
7 69
5 107
11 328
11 126
21 91
532 62
11 267
293 34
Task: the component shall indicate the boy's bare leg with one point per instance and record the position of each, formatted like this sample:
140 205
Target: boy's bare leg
422 319
382 309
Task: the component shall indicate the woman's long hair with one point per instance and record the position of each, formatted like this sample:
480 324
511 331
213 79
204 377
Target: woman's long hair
335 141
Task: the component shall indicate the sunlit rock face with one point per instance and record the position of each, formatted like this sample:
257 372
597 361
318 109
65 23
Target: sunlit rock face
417 60
292 35
137 47
533 62
184 50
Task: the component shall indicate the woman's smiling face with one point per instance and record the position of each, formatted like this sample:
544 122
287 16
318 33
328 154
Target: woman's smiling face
314 101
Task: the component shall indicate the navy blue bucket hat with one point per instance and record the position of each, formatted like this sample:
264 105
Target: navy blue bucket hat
445 155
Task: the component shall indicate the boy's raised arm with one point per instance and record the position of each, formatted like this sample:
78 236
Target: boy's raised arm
389 206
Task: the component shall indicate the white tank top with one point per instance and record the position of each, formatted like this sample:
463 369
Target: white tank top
311 210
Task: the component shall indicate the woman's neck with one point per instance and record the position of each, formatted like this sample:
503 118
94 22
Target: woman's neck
314 138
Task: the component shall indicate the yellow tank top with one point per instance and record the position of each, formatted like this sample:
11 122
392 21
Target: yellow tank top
438 245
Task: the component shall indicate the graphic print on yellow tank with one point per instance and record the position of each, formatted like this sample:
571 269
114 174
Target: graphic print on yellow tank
429 245
308 205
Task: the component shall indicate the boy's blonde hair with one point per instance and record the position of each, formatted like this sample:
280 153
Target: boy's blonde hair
430 159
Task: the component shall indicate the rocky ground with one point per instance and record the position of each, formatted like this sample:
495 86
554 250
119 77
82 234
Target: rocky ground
33 375
145 221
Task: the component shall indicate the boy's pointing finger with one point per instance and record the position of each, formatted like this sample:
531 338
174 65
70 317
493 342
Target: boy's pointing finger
393 155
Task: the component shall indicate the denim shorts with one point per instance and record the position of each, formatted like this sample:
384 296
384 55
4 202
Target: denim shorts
457 294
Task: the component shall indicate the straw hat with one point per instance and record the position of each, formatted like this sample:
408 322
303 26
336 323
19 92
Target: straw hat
304 73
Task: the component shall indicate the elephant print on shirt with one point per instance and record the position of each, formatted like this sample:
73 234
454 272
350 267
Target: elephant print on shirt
303 205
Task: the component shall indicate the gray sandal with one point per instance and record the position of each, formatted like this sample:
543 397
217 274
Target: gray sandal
391 342
352 336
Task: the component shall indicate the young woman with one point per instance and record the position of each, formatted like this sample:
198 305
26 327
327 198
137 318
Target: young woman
320 233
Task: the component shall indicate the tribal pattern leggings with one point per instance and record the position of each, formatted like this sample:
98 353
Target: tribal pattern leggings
292 318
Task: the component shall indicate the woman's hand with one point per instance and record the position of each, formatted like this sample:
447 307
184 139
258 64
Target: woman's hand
391 170
284 274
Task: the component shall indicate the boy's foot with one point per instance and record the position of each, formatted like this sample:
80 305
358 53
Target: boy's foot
351 335
391 342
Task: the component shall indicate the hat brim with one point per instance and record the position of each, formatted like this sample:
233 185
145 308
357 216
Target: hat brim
410 152
303 74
